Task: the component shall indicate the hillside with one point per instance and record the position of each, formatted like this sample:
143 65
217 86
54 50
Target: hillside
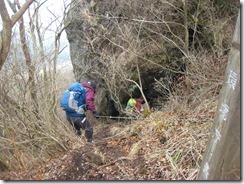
161 147
180 57
167 145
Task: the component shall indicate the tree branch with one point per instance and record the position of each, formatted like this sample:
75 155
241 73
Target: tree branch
22 10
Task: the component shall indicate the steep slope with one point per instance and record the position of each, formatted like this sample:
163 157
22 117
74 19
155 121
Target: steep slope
162 147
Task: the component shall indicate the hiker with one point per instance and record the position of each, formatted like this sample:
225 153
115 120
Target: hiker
76 101
130 104
138 105
135 105
90 96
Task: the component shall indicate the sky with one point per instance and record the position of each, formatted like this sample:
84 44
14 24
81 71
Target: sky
49 11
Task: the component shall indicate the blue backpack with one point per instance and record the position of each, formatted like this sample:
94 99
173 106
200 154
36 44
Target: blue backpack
73 99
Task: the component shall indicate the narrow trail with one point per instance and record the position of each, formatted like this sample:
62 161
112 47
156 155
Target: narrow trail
85 162
128 151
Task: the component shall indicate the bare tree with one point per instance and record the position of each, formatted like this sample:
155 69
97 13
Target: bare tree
31 67
18 122
8 23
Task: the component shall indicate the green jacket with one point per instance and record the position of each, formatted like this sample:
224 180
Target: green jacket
131 103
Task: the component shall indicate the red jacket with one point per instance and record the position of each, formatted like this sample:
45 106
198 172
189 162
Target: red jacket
90 96
139 102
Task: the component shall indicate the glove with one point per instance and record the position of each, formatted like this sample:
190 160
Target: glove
95 114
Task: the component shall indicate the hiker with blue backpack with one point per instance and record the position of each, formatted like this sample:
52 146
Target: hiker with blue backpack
75 102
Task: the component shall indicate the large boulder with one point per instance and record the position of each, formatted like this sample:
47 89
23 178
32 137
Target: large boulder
117 43
106 33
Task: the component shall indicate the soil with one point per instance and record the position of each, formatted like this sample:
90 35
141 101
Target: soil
108 158
95 161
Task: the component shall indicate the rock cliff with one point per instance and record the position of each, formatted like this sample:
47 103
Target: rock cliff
122 44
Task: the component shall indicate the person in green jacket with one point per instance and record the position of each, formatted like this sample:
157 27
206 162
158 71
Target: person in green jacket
131 104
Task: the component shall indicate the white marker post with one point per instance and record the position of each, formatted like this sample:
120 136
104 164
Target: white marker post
221 160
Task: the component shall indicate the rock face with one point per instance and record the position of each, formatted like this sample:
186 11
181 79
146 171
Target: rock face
114 43
121 44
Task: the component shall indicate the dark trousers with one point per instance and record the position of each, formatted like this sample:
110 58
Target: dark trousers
79 124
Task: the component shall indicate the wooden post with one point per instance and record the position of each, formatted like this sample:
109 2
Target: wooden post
221 161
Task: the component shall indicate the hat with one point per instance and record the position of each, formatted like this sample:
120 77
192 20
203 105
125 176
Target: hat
92 84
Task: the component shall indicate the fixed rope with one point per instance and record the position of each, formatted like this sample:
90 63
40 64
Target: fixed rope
191 120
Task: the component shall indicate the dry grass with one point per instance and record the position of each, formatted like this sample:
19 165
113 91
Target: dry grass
27 139
172 148
200 94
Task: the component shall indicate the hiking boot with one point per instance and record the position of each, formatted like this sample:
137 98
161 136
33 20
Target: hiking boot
90 141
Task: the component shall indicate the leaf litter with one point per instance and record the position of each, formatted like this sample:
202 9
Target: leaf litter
161 148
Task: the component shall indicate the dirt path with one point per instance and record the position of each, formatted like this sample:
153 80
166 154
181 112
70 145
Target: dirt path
87 162
129 151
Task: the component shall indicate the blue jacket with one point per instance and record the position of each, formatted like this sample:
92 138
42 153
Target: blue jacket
80 99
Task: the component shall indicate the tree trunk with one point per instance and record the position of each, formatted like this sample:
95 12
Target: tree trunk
185 2
8 23
26 51
5 34
222 157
